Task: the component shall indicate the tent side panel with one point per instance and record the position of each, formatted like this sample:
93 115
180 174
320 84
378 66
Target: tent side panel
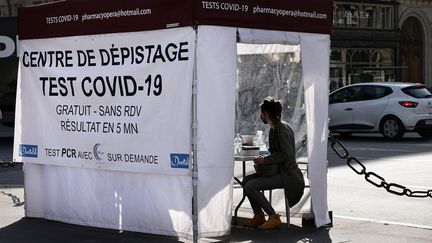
315 60
151 202
216 78
115 200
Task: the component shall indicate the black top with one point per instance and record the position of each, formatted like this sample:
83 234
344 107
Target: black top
282 145
282 151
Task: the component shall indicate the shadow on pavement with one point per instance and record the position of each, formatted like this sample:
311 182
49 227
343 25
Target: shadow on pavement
375 147
11 175
45 231
367 137
37 230
293 234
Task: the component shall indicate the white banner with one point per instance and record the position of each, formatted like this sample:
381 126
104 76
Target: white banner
114 101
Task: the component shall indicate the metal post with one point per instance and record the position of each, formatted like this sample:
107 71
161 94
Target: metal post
194 145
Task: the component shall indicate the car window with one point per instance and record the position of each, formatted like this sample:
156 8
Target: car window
417 91
374 92
348 94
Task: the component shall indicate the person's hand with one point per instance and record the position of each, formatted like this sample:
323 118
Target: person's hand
258 160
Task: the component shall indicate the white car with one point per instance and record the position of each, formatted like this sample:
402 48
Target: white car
389 108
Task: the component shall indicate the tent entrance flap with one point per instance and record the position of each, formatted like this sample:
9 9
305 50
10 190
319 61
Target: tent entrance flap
271 70
314 58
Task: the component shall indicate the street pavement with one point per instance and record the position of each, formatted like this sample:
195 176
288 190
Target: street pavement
406 162
15 228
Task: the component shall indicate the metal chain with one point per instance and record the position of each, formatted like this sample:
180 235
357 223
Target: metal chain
16 200
371 177
7 164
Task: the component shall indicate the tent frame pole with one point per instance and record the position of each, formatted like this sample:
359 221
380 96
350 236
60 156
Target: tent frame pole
194 144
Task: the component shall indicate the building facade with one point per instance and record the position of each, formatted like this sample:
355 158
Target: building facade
381 41
415 23
9 8
372 41
365 42
8 56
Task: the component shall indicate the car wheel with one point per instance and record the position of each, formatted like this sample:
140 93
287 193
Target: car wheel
392 128
425 134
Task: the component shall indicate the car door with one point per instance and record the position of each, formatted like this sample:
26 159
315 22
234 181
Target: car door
369 109
342 104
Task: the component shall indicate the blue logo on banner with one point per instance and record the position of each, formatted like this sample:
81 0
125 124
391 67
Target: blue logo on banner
28 150
179 161
97 154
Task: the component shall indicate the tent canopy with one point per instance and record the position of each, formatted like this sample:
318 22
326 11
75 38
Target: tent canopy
86 17
123 200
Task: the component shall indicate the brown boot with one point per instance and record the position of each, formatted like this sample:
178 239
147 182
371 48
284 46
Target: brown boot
273 222
257 220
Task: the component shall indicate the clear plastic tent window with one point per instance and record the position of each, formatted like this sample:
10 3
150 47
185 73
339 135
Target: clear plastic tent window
270 70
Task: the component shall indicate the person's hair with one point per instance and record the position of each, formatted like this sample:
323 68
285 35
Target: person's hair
273 107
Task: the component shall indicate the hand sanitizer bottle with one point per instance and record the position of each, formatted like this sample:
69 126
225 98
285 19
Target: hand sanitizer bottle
261 144
238 142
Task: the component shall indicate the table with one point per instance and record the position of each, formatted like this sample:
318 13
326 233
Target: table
243 159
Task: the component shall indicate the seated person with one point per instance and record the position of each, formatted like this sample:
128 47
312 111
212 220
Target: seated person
288 176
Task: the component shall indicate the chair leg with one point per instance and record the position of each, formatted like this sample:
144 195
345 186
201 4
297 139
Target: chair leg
287 209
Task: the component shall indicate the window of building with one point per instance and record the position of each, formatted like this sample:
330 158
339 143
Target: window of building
359 65
412 52
363 15
10 8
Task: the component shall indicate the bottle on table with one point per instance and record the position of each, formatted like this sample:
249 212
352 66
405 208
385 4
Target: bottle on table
238 142
259 142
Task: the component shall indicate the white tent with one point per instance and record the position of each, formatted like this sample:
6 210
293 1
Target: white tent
172 71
